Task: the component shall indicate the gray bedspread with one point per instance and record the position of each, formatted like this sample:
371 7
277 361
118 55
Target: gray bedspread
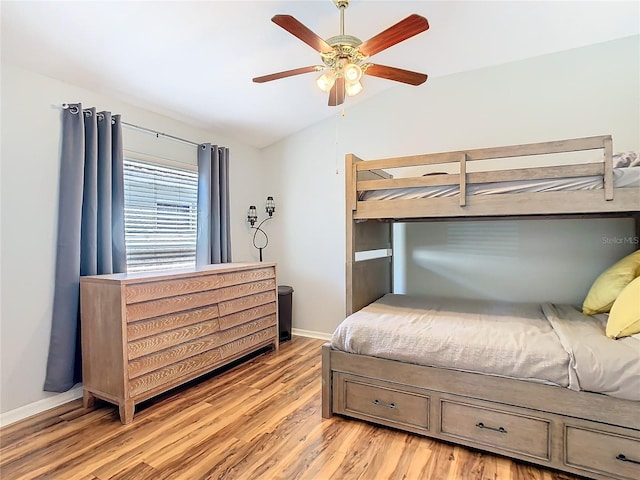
552 344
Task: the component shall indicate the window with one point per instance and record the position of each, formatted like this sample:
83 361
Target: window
160 216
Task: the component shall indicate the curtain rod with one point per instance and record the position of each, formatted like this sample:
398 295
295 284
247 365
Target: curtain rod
149 130
158 134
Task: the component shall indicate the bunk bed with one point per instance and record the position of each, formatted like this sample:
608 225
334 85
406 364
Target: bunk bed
552 414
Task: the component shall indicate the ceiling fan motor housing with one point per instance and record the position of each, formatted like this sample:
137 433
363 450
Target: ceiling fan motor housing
345 51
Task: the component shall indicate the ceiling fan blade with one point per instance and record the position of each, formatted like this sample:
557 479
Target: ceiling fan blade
287 73
336 95
396 74
297 29
407 28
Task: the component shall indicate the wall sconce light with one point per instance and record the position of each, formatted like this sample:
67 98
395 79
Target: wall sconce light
252 218
271 206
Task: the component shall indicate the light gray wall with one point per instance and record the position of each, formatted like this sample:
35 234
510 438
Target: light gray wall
29 199
581 92
525 261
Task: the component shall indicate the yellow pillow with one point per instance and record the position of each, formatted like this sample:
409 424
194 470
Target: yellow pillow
610 283
624 319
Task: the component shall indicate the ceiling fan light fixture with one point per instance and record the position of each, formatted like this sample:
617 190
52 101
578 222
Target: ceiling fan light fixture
352 72
343 55
353 88
326 80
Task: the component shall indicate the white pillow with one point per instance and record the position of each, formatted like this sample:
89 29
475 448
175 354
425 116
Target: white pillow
625 159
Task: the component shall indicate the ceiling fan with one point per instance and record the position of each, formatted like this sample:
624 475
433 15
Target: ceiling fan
344 56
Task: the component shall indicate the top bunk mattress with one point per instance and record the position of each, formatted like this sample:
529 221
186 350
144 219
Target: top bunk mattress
544 343
622 178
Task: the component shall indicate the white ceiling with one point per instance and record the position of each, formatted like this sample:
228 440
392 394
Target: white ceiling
194 60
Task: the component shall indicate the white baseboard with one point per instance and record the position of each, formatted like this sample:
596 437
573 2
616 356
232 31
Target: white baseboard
311 334
40 406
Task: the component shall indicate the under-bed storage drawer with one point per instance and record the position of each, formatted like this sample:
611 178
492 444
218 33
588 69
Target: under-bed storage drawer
602 452
381 402
487 427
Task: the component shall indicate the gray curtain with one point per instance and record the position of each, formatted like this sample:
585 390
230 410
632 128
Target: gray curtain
90 229
213 244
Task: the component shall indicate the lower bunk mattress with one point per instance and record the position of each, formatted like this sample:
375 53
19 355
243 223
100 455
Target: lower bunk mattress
545 343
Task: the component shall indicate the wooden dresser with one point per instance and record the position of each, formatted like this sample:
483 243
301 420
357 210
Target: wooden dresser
145 333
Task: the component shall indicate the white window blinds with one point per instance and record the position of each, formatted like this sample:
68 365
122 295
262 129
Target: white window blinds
160 214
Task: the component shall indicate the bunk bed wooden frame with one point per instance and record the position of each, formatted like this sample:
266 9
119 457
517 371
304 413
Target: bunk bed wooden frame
579 432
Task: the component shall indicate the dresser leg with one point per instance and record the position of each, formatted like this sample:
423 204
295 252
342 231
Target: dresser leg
126 411
88 400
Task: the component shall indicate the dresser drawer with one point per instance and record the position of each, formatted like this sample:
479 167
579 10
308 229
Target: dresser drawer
241 346
144 292
170 338
173 354
170 305
154 326
175 373
508 431
246 302
168 288
602 452
239 331
245 316
381 402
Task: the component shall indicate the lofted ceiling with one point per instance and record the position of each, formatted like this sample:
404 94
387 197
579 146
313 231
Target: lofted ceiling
194 60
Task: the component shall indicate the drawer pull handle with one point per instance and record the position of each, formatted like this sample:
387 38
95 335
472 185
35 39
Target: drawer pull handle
623 458
382 404
482 426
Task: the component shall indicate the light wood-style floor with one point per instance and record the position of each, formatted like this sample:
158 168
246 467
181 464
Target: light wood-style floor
258 420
